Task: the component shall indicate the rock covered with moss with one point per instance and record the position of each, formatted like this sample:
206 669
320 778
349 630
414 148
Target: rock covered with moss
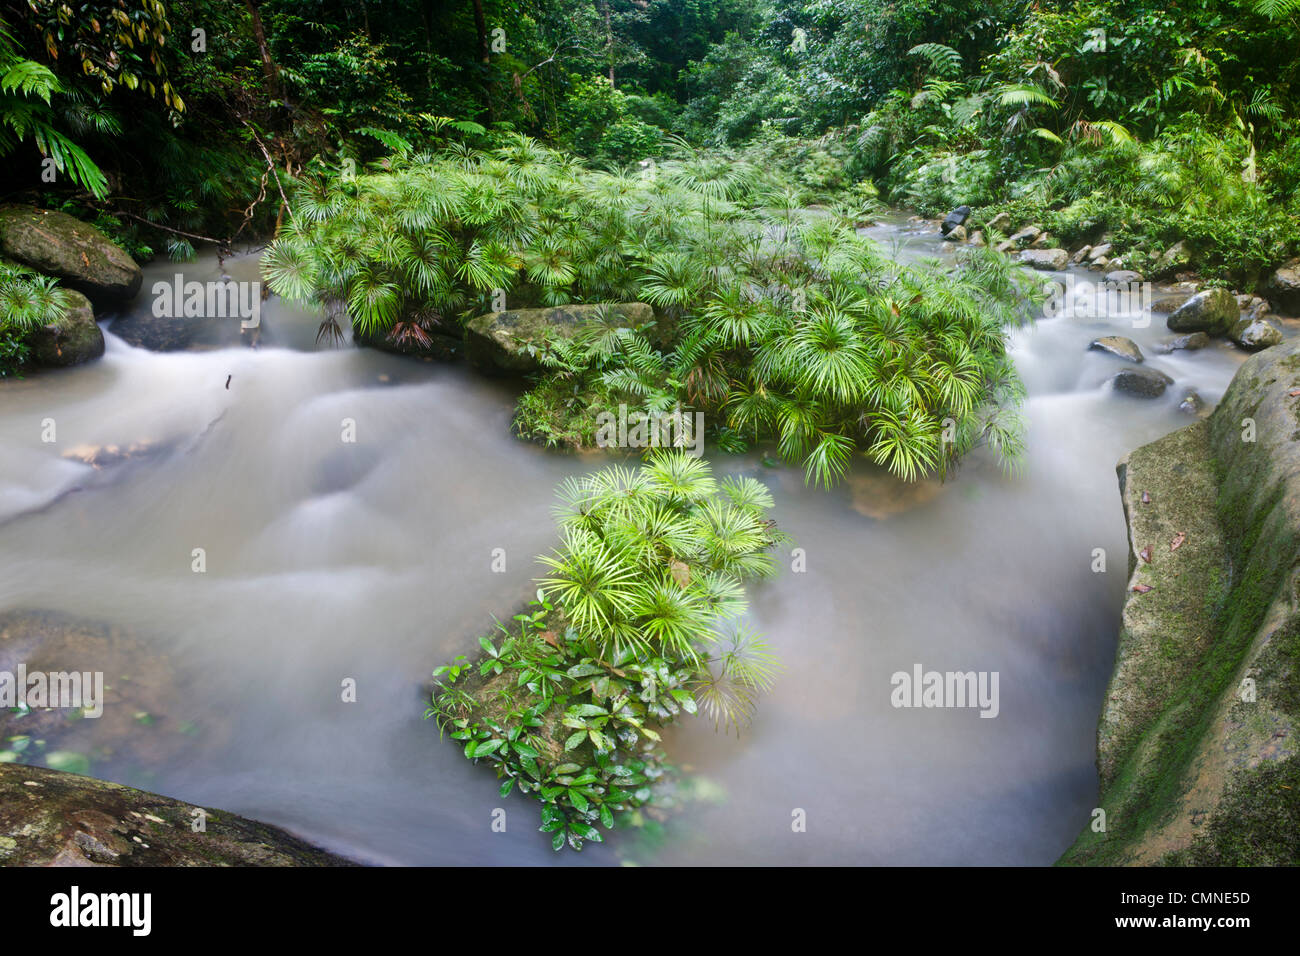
51 818
1202 711
80 255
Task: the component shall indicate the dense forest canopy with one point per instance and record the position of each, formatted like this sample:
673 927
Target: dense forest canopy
168 112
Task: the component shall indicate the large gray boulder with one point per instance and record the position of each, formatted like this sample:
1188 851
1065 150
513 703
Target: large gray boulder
1213 311
74 339
512 342
1200 717
52 818
59 245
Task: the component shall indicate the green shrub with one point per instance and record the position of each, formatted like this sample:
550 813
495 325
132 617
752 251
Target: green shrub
636 621
778 324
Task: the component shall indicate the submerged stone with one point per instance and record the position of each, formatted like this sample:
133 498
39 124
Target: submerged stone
1144 382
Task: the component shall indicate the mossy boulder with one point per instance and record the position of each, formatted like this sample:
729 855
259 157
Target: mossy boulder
59 245
1213 311
74 339
52 818
511 342
1205 695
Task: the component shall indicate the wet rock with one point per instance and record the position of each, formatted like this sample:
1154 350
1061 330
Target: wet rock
1142 381
1192 403
955 219
956 234
1190 342
1051 259
1255 334
164 333
508 342
72 340
1213 311
1123 276
77 253
1119 346
51 818
1283 288
1173 260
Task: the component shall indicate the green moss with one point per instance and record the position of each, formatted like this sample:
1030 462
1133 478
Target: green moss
1256 824
1146 789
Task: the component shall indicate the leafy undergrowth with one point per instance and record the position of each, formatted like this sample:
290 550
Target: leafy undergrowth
636 622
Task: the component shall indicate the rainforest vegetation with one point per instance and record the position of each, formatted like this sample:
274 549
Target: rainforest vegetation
405 168
665 151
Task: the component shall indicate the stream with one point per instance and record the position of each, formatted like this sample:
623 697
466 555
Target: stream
372 560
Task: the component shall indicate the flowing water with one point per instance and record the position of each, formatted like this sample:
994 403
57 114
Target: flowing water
372 560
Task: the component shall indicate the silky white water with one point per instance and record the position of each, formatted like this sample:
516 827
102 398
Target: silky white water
371 560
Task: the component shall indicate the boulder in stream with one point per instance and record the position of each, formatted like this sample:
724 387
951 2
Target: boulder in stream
1117 345
1213 311
1255 334
1143 382
72 340
77 253
955 218
1190 342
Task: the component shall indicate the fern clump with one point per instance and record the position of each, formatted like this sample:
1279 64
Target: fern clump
27 302
636 620
777 323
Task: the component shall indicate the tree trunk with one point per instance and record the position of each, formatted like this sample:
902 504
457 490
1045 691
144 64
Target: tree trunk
609 43
485 54
269 69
